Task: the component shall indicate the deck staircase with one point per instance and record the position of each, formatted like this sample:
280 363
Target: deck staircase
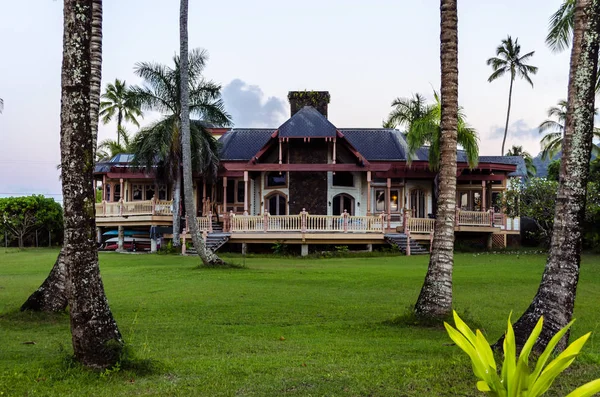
214 240
400 240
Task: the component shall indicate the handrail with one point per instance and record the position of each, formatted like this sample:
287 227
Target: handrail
133 208
420 225
474 218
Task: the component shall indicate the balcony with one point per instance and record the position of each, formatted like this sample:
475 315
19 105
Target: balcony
134 213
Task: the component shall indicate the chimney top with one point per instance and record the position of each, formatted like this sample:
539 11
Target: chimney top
317 99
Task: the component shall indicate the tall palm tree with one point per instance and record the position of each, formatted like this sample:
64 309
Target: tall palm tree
119 100
208 257
529 166
406 111
509 60
424 128
555 297
435 299
97 342
551 142
109 148
1 105
158 147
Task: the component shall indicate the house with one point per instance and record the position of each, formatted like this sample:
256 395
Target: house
309 181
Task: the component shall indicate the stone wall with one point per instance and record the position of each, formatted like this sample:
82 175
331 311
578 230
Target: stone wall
308 189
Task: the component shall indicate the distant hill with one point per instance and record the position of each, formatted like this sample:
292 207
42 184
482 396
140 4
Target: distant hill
542 165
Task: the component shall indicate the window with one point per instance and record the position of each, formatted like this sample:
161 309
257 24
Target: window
107 192
380 200
276 204
240 191
274 179
463 200
137 192
149 192
117 195
162 192
417 203
343 179
230 192
343 202
470 200
394 207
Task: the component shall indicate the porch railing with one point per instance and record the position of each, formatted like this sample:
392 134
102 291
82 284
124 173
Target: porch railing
132 208
465 218
474 218
420 225
306 223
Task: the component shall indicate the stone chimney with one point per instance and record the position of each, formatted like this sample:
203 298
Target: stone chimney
317 99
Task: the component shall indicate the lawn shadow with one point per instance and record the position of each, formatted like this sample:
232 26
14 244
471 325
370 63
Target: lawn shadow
411 319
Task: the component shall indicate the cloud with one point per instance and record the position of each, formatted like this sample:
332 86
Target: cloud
248 108
518 129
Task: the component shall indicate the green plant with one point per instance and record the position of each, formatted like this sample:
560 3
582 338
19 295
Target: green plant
279 248
516 378
342 249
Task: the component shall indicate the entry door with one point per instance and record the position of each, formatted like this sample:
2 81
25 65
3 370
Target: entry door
277 205
343 202
417 203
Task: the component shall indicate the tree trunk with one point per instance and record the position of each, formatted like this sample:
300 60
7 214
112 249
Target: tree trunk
435 299
512 79
119 121
208 257
96 338
555 297
50 296
176 205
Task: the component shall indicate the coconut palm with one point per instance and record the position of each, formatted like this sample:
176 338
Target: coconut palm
555 298
435 298
424 128
1 105
509 60
529 166
109 148
406 111
551 142
158 147
119 101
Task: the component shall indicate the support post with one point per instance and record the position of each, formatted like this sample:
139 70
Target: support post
121 238
304 250
492 216
345 215
280 151
265 220
369 247
224 194
121 191
368 193
245 192
244 248
490 241
483 196
408 243
153 245
456 219
389 203
334 150
210 229
204 208
183 247
303 220
104 187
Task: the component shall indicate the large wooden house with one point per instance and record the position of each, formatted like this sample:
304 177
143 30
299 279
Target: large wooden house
311 182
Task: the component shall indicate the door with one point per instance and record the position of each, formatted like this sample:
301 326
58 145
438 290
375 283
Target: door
343 202
276 204
417 203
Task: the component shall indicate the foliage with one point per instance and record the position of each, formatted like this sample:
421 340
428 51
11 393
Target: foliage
118 100
315 99
553 170
516 378
551 142
109 148
537 201
422 122
20 216
280 248
518 151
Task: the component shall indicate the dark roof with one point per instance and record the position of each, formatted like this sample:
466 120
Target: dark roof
119 159
242 144
307 122
377 143
512 160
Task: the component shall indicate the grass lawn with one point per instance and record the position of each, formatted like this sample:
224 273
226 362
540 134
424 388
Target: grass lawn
300 327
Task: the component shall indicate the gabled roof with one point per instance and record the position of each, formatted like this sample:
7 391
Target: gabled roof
377 143
307 122
242 144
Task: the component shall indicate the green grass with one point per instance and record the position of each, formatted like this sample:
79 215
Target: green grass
299 327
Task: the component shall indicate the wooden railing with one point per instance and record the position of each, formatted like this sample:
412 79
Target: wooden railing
204 223
305 223
420 225
473 218
133 208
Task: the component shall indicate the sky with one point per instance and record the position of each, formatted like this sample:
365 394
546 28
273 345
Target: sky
365 53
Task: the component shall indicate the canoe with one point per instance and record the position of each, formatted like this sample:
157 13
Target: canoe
126 233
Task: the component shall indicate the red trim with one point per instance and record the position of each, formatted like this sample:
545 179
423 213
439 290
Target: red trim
303 167
129 175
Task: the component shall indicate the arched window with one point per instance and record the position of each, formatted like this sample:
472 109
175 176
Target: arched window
276 204
343 202
417 203
107 192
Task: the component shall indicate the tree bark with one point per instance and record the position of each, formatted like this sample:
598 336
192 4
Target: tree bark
50 296
208 257
97 342
512 80
176 206
435 299
555 297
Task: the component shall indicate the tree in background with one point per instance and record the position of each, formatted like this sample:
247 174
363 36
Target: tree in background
518 151
109 148
1 105
407 111
119 101
158 147
435 299
21 216
551 142
508 59
555 298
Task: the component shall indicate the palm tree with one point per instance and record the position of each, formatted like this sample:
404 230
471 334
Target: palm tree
1 105
118 100
529 166
406 111
435 299
158 147
509 60
109 148
97 342
208 257
424 128
555 297
551 142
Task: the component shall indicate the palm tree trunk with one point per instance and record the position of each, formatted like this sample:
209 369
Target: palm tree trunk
119 121
50 296
435 299
97 342
176 206
555 297
208 257
512 79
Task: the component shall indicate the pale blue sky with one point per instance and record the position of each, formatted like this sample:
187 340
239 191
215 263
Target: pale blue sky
365 53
